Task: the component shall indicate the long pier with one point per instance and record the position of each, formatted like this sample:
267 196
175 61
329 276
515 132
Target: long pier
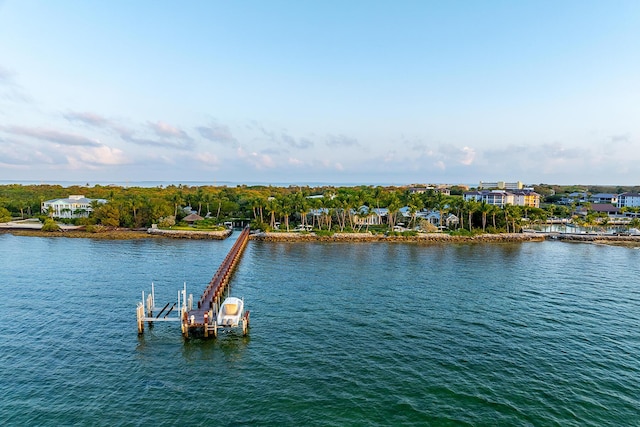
199 320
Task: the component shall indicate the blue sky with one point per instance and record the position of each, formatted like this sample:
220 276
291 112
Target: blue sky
360 92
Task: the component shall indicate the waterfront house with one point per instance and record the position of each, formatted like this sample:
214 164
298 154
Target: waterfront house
449 220
367 216
74 206
600 208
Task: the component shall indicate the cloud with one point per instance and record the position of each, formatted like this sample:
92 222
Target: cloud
128 136
468 156
282 137
217 133
50 135
620 138
96 156
258 161
301 143
21 154
167 136
6 77
464 155
90 119
341 141
10 90
165 130
208 159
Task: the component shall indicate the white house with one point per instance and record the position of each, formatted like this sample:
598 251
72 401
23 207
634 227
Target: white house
366 216
74 206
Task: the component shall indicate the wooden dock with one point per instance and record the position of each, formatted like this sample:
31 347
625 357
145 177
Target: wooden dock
199 320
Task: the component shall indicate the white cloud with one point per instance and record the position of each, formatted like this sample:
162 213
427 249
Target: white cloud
295 162
468 155
208 159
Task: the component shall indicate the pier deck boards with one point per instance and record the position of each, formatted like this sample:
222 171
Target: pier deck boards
213 294
198 320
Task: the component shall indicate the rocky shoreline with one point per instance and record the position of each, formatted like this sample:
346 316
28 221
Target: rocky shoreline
426 238
189 234
418 238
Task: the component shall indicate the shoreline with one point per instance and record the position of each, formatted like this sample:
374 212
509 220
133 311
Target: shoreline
419 238
293 237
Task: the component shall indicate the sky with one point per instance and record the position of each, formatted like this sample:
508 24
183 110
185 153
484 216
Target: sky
333 92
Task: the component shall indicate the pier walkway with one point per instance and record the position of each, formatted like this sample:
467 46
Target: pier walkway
199 320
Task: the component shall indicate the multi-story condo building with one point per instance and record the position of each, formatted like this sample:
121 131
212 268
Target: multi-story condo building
502 198
74 206
630 200
501 185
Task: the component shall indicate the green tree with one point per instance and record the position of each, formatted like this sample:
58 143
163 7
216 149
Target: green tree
5 215
107 215
50 225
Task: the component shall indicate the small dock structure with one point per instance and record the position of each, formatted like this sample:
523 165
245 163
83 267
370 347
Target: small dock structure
199 320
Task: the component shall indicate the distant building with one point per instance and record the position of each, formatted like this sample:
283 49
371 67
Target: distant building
502 198
74 206
629 200
367 216
501 185
606 208
443 189
605 198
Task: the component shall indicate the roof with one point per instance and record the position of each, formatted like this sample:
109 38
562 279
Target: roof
192 218
603 207
74 200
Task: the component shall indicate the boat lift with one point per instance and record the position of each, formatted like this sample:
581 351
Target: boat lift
147 307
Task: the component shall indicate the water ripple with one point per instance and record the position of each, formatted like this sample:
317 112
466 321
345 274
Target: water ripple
368 334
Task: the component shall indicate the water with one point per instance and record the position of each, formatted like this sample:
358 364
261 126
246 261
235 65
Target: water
341 334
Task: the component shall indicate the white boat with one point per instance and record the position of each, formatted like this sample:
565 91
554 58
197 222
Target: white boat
232 315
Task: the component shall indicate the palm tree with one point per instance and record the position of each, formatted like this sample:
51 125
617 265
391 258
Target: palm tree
512 214
414 202
472 207
286 208
177 199
458 204
393 205
485 208
272 208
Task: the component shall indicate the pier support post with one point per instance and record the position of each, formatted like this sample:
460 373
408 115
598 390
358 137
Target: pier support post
140 318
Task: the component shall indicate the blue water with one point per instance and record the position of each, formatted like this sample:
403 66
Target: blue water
341 334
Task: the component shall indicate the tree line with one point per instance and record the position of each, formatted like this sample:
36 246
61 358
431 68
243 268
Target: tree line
266 206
